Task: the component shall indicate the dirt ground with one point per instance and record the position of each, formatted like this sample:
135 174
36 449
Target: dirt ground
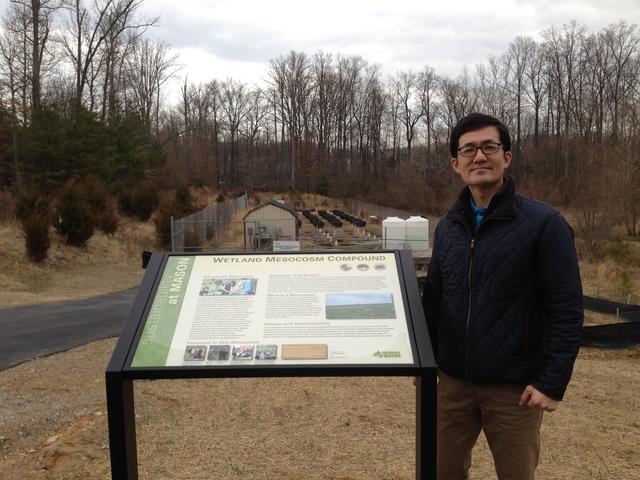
53 422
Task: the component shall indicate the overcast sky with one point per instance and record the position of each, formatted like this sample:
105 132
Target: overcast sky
237 38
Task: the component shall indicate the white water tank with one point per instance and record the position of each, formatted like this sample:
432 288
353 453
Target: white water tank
393 233
417 234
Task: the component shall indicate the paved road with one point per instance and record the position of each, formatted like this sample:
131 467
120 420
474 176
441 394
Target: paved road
38 330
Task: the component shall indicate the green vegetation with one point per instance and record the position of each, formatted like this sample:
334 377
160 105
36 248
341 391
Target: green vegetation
68 157
59 145
73 217
364 311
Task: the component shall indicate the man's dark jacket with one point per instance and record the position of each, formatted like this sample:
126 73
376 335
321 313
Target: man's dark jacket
503 303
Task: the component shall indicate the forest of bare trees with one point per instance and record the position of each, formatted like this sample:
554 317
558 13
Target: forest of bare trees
318 122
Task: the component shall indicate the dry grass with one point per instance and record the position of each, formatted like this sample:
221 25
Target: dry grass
7 206
313 428
107 264
602 277
603 280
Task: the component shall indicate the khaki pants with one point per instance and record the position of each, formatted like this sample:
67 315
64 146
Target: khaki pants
513 432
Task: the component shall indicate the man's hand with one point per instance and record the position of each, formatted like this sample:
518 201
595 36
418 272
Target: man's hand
533 398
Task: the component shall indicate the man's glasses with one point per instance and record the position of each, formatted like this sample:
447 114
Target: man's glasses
487 148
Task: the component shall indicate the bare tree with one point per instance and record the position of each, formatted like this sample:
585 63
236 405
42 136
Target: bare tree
40 12
235 100
291 79
119 40
404 87
621 41
257 110
10 83
323 79
148 67
458 99
492 90
564 49
428 84
535 86
517 58
374 99
91 30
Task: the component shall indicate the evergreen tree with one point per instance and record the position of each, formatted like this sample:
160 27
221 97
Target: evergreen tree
63 144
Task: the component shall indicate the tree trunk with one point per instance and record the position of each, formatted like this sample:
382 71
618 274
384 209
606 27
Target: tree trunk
35 81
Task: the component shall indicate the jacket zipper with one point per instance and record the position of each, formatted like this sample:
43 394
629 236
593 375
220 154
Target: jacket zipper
471 250
526 334
474 232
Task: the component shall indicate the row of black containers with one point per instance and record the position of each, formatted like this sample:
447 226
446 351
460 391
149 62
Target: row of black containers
332 218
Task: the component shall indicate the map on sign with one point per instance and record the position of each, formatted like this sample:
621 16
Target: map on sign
279 309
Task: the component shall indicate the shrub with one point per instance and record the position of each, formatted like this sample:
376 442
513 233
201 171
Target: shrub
94 193
180 206
126 202
108 221
99 202
322 185
163 225
37 242
31 203
145 201
183 199
74 218
620 252
33 212
139 202
295 197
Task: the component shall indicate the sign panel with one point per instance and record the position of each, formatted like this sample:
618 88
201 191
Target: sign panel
278 309
286 245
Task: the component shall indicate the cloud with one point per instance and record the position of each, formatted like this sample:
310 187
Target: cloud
237 38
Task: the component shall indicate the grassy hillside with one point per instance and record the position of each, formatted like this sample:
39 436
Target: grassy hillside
107 264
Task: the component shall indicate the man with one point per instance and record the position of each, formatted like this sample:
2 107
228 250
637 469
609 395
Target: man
503 303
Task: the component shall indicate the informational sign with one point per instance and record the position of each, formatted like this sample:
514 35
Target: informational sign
279 309
286 245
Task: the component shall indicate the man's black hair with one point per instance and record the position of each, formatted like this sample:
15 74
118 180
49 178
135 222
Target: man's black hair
475 121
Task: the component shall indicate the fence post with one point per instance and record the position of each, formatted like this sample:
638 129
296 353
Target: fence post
173 242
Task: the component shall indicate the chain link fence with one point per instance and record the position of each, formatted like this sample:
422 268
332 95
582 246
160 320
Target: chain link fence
213 228
189 233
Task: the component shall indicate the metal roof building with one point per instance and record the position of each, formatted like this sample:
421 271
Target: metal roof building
268 222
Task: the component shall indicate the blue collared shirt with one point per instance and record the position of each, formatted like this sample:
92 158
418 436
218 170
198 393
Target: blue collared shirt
478 213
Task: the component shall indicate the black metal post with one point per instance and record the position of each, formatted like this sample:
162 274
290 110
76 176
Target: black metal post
122 427
426 402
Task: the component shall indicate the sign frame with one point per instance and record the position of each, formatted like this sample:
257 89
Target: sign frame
120 375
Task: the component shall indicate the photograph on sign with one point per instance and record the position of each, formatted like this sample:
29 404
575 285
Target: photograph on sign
228 286
279 309
350 306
